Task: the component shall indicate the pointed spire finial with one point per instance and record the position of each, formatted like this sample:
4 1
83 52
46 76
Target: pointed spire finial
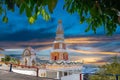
59 27
59 21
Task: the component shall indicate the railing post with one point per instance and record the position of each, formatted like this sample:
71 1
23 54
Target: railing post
116 77
10 68
37 72
81 76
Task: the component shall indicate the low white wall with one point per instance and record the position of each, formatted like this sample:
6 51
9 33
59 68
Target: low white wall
27 72
5 67
71 77
42 73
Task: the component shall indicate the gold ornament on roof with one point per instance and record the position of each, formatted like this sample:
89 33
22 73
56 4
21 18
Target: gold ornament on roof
59 28
60 21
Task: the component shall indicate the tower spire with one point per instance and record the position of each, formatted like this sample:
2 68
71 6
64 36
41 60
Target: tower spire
59 28
59 32
59 51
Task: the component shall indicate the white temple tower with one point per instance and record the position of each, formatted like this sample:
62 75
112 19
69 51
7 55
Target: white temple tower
59 51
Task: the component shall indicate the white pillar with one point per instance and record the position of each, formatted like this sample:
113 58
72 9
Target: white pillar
69 72
58 75
73 71
62 73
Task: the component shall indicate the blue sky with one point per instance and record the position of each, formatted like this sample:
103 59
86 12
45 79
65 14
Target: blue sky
19 26
19 30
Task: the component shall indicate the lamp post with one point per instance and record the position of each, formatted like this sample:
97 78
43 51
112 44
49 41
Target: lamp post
10 68
116 77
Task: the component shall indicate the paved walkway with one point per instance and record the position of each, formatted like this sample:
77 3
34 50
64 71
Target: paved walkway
5 75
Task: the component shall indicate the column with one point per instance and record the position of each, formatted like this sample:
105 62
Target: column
73 71
70 72
62 73
37 72
58 75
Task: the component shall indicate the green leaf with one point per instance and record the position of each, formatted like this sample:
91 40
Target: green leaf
93 11
1 10
31 20
35 16
51 5
5 19
36 9
38 13
94 28
87 29
18 2
22 8
43 12
82 20
28 11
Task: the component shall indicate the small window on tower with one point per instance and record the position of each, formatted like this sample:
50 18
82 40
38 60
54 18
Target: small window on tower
64 46
56 46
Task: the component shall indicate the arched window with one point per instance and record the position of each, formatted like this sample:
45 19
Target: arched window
65 56
63 46
56 46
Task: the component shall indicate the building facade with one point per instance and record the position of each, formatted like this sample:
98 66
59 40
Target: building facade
59 64
29 57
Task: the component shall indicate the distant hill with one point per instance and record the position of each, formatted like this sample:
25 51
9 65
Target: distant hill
1 49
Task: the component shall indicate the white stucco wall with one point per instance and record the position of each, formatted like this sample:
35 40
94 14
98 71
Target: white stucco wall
26 72
42 73
71 77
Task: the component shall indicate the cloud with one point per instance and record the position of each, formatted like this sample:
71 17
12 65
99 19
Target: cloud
27 35
90 49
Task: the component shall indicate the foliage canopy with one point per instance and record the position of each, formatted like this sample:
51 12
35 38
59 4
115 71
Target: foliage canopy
96 13
108 71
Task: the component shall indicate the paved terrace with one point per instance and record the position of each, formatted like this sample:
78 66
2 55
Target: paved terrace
6 75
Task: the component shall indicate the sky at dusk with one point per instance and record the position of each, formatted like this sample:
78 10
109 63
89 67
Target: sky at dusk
18 28
18 34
